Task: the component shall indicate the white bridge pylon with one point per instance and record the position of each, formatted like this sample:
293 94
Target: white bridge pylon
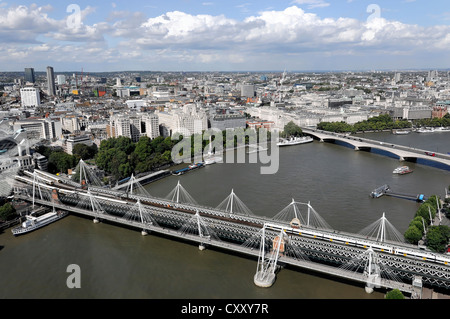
382 230
267 260
140 214
301 214
233 205
197 226
89 201
37 181
134 187
87 177
369 264
180 195
272 242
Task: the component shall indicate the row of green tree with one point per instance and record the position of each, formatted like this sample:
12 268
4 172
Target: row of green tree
120 157
436 237
60 161
435 122
379 123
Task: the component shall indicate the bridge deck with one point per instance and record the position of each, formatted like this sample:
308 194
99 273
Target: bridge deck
403 152
121 202
311 266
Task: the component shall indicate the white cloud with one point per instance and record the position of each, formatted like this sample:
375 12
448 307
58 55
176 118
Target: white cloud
178 37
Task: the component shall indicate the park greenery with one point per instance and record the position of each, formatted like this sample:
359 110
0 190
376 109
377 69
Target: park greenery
379 123
7 212
60 161
120 157
421 228
291 129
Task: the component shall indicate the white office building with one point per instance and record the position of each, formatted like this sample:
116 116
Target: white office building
79 139
187 121
151 122
39 128
30 97
61 79
134 126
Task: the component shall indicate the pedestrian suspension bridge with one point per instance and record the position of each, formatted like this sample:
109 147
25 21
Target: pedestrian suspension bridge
297 236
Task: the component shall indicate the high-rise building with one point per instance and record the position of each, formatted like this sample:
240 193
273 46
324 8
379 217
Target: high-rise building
40 128
134 126
51 81
29 75
30 97
186 121
247 90
151 121
61 79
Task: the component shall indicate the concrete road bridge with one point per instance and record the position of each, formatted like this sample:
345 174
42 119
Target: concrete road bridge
403 153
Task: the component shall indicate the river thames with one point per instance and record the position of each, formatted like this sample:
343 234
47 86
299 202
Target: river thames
117 262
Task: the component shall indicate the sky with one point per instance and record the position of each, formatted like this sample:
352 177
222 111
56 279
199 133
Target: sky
213 35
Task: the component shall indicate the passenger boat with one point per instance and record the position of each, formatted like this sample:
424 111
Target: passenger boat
32 223
295 141
402 170
425 130
401 132
187 169
211 158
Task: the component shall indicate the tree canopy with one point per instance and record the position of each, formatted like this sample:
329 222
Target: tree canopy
120 157
378 123
436 237
292 129
7 212
395 294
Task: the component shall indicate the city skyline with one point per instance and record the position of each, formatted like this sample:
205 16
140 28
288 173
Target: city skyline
299 35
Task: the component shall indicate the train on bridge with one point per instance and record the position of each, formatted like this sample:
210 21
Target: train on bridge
355 241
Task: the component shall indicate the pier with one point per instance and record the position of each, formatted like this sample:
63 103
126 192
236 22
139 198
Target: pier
386 190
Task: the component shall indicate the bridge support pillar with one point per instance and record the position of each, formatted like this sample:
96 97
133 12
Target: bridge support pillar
201 247
372 271
144 232
96 220
356 148
264 279
401 159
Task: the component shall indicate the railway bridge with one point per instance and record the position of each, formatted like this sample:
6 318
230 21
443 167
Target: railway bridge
296 237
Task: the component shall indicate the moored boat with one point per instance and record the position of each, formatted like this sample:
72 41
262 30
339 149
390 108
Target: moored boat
32 223
295 141
425 130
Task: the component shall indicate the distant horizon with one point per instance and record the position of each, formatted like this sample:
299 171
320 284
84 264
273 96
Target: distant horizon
245 71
